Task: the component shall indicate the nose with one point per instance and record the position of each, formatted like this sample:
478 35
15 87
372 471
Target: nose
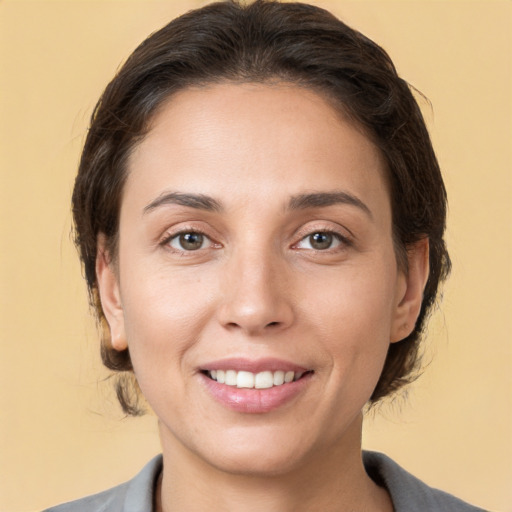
256 297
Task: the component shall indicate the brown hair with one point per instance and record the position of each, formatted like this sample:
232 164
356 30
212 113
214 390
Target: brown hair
266 41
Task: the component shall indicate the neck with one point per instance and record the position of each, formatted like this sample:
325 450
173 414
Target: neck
329 482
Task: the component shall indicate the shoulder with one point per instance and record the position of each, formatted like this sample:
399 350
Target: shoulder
408 492
132 496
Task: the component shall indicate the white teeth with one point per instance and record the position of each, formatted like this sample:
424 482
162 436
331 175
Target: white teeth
261 380
264 380
230 378
278 378
245 380
288 376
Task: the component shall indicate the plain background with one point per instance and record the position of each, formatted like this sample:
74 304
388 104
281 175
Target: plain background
61 433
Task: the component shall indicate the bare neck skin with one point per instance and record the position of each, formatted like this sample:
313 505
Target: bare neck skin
333 481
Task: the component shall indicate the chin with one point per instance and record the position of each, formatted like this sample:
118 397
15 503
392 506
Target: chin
258 463
263 454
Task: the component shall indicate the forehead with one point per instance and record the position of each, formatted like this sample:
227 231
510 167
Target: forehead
262 139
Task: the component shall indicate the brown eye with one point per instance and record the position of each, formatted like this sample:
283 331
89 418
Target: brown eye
188 241
320 241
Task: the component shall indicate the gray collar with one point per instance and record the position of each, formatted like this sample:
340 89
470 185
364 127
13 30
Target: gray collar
407 493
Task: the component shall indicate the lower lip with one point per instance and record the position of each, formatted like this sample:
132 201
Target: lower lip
255 401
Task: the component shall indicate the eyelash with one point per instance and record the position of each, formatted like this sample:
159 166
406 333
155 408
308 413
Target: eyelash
166 241
341 240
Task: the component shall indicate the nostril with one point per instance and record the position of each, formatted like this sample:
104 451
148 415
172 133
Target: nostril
273 324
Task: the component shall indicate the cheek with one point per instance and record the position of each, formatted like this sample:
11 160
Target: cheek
352 313
354 299
164 313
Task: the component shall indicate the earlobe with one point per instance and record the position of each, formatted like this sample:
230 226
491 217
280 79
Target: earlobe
110 297
410 293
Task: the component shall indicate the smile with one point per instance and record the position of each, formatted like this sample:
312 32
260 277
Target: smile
255 386
250 380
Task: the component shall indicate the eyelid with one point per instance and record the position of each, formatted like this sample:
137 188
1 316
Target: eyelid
340 244
341 233
175 232
176 239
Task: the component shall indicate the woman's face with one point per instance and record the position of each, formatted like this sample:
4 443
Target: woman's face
255 247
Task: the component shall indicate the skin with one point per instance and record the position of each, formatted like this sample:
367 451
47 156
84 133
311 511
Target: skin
258 288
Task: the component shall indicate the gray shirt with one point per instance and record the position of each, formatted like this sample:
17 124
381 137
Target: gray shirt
408 494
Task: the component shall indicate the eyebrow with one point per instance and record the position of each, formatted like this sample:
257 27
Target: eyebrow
297 202
322 199
198 201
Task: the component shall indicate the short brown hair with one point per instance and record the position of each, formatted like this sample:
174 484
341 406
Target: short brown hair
260 42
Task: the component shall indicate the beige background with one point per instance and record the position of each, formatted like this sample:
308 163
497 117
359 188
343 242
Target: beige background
61 432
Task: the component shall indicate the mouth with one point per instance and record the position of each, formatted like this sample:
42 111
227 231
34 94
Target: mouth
255 385
249 380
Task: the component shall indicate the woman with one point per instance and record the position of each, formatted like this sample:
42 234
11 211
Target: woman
260 216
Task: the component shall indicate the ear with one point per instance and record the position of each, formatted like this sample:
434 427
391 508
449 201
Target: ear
110 297
410 290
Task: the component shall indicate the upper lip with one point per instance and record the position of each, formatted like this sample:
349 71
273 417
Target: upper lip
253 365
